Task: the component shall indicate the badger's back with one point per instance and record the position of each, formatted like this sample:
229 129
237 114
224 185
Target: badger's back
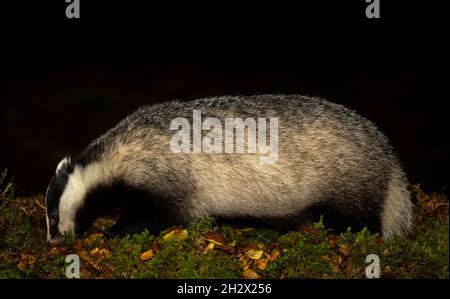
331 161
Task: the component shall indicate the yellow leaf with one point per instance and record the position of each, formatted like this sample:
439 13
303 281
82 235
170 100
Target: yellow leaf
262 264
254 254
94 251
250 274
146 255
92 238
179 234
209 248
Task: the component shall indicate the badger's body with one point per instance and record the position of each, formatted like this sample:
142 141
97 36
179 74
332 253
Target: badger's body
330 161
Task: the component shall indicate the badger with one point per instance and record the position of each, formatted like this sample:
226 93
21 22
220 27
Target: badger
330 162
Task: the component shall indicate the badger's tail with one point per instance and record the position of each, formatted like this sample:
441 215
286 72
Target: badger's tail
397 214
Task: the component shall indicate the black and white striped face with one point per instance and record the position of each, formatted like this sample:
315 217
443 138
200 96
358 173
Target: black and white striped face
59 220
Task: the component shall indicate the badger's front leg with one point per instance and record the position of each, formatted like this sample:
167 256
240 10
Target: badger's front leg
135 218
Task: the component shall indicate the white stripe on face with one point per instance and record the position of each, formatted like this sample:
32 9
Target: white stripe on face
80 181
48 226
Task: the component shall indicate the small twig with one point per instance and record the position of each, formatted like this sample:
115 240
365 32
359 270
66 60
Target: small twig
39 204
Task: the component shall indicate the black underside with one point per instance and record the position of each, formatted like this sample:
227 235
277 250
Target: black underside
336 218
143 210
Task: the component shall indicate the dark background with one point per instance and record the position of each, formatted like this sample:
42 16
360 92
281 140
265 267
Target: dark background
64 82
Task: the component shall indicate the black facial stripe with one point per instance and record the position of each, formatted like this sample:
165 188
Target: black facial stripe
53 197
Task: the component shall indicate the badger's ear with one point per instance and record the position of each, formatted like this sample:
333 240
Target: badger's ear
63 166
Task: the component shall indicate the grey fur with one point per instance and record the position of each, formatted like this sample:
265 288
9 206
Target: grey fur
327 154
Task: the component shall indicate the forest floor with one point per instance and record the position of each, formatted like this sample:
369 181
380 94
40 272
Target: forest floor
207 250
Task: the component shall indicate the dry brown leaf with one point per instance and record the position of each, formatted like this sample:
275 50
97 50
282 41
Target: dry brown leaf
335 269
325 258
310 230
156 246
84 255
343 249
92 238
274 254
225 248
105 252
215 237
332 240
55 251
26 261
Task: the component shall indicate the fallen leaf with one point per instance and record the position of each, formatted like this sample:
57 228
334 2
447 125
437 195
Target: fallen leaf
254 254
92 238
250 274
325 258
215 237
343 249
310 230
262 264
232 243
225 248
274 254
55 251
337 261
26 261
104 252
94 251
335 269
209 248
146 255
244 260
156 246
332 240
178 234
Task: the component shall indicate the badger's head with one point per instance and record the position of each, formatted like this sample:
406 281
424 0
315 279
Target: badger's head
57 221
67 210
